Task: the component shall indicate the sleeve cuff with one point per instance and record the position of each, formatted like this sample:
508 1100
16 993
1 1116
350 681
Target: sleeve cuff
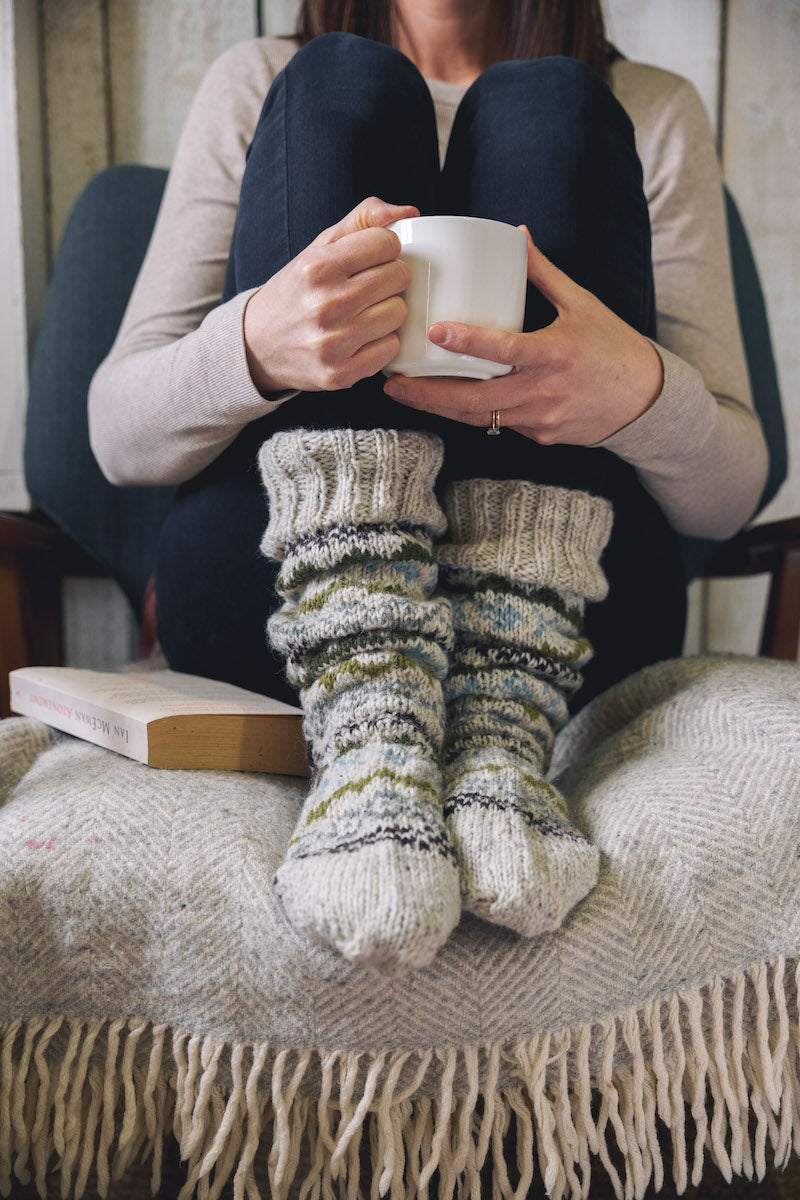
676 424
226 362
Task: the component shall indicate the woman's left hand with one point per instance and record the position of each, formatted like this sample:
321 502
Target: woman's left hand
577 381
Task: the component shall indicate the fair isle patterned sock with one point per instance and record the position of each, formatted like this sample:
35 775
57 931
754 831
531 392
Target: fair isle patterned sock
521 561
370 869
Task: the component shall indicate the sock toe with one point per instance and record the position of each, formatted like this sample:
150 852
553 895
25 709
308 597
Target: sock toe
385 905
522 863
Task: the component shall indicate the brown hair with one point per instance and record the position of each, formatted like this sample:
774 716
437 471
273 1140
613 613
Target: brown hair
533 28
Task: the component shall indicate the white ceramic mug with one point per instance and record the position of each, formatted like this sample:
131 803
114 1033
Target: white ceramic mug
465 269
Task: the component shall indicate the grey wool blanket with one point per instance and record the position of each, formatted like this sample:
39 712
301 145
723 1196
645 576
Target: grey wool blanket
149 983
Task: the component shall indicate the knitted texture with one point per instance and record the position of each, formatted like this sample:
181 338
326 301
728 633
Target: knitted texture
347 477
521 561
370 869
531 534
150 983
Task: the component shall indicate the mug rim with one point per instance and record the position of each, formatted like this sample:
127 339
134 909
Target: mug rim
431 217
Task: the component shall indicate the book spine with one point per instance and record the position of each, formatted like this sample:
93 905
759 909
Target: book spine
78 716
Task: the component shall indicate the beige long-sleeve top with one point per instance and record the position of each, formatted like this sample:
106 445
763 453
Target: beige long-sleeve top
175 389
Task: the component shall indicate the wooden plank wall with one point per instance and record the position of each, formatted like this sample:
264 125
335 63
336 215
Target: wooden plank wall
13 368
761 158
118 76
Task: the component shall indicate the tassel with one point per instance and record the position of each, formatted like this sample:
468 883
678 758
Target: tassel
88 1100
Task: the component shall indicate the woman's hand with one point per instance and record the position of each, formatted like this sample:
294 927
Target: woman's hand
329 317
577 381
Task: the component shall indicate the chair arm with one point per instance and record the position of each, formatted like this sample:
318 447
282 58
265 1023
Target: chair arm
35 555
772 549
31 533
26 532
753 551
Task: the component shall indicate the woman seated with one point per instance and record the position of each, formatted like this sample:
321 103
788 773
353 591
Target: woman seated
426 584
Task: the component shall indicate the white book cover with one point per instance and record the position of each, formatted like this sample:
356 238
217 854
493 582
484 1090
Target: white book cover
113 709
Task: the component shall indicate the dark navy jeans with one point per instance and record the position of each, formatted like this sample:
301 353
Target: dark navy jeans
540 142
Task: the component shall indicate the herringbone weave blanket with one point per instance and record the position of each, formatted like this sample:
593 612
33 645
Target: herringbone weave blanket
149 983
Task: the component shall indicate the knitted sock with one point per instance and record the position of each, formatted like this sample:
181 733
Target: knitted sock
370 869
521 562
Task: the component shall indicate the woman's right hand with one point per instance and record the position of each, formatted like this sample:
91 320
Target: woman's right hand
330 316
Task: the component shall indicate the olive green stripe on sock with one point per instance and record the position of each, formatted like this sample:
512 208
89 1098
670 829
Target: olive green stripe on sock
358 785
482 730
483 707
408 551
400 728
462 589
581 648
372 671
529 741
534 781
346 647
343 744
317 601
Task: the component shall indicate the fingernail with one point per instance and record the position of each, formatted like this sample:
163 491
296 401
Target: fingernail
395 390
438 334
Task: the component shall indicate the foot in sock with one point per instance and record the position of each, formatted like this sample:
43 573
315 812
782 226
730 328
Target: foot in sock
370 869
520 562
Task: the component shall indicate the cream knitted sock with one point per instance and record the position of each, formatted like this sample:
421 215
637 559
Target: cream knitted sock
521 561
370 869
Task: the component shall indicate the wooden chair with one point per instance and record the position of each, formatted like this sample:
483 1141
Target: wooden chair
84 525
81 524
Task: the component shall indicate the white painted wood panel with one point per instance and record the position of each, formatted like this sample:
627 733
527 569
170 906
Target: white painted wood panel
13 325
678 35
158 53
75 91
762 162
100 630
279 17
30 132
761 157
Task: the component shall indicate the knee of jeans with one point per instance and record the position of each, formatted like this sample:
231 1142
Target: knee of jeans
556 83
554 71
379 66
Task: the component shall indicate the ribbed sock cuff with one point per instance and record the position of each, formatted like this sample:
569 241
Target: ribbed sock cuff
528 532
318 479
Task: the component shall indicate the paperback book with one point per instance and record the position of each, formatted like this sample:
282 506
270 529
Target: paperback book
165 718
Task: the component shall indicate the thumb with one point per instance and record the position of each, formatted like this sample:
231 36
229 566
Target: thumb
369 214
554 284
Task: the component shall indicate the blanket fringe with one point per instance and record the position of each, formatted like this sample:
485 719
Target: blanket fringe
712 1071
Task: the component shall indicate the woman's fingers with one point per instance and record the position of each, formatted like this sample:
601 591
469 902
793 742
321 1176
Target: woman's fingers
579 380
329 317
494 344
369 214
378 283
554 284
341 304
329 267
372 357
377 321
357 252
470 401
